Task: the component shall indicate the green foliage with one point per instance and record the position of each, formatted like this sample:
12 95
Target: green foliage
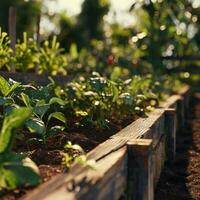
90 20
27 11
26 54
51 59
5 51
167 28
13 121
78 156
16 170
7 88
94 102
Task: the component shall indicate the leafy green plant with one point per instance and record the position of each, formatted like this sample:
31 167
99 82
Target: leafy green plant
77 156
16 170
42 113
26 54
5 50
51 59
7 88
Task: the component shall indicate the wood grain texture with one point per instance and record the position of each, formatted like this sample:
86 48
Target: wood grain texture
170 129
170 102
106 182
140 171
159 157
180 114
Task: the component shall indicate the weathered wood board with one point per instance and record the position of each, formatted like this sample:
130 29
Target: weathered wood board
107 181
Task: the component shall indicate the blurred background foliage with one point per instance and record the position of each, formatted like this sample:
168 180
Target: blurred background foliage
161 28
26 15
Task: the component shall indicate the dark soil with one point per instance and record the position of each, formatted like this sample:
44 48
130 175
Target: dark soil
48 157
181 181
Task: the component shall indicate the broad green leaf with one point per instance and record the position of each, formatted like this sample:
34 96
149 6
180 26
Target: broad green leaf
5 101
16 171
81 113
73 51
13 87
13 121
57 100
36 125
4 86
55 129
41 110
26 99
9 108
57 115
41 102
69 145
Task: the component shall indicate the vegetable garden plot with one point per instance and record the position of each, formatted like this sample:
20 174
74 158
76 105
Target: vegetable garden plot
85 184
64 137
38 138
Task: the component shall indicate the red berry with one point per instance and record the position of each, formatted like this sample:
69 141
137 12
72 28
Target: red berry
110 60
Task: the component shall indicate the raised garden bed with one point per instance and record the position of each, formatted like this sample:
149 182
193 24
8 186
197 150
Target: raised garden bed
130 160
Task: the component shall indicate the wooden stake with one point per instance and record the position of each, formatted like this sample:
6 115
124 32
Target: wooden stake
12 31
140 169
37 38
170 128
180 114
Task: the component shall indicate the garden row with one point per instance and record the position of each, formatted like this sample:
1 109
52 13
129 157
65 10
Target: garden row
110 60
85 111
128 163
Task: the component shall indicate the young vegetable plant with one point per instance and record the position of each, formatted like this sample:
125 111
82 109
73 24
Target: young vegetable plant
5 50
26 54
51 59
90 100
76 156
7 92
7 87
16 170
42 112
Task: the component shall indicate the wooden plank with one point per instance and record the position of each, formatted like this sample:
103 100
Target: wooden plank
117 142
140 172
139 127
106 182
37 39
180 114
170 129
107 147
159 157
155 123
170 102
186 94
184 90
